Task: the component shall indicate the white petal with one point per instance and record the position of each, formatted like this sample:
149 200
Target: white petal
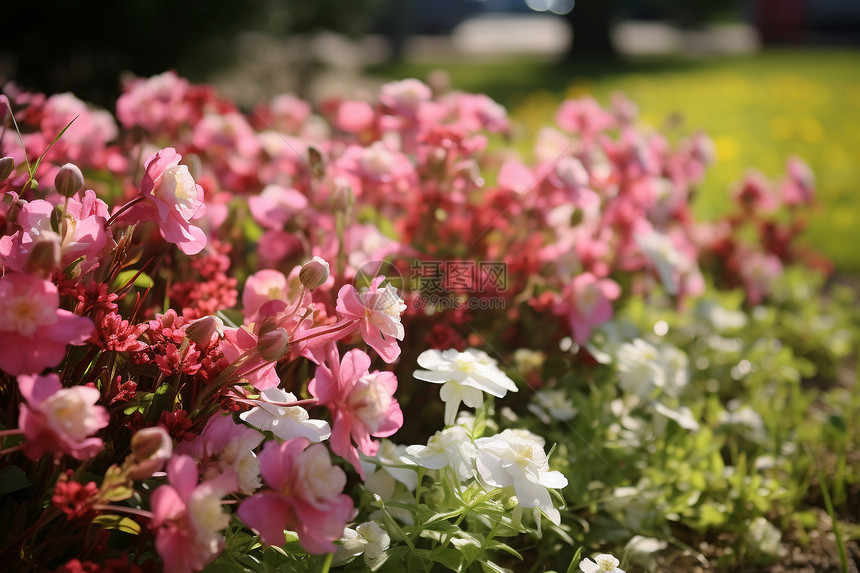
431 359
432 376
555 480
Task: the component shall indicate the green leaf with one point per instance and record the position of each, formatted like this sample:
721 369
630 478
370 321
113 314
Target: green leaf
12 478
498 545
141 280
124 524
35 166
397 554
837 422
231 317
490 567
450 558
577 557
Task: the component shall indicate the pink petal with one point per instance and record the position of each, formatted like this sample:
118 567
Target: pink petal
348 302
182 475
269 513
165 504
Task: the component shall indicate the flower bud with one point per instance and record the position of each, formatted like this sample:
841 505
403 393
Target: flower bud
150 449
69 180
314 273
44 255
203 329
315 159
274 344
7 165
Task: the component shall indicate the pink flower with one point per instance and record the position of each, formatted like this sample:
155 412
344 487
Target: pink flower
84 224
242 343
361 402
517 177
354 116
157 104
759 273
188 516
34 331
377 169
478 111
260 288
60 420
226 446
85 141
173 200
583 117
276 206
756 193
587 304
286 113
405 96
378 311
799 187
305 496
230 140
151 448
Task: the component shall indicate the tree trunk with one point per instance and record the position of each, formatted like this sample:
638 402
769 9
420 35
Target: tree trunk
590 23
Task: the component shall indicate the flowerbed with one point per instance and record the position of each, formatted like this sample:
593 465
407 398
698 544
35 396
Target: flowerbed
225 332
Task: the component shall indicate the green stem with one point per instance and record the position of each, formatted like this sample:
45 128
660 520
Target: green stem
64 225
12 450
327 563
123 509
840 543
123 209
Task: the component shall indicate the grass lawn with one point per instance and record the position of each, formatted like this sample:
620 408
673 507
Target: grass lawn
759 110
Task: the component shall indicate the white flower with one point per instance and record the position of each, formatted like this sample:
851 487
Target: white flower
639 370
644 550
682 415
515 459
528 360
376 539
368 538
549 404
721 318
239 455
676 369
389 459
384 472
450 447
764 536
642 368
286 422
351 545
747 421
602 562
669 261
464 377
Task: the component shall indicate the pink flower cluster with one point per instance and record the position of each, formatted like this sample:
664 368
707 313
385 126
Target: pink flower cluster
273 316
